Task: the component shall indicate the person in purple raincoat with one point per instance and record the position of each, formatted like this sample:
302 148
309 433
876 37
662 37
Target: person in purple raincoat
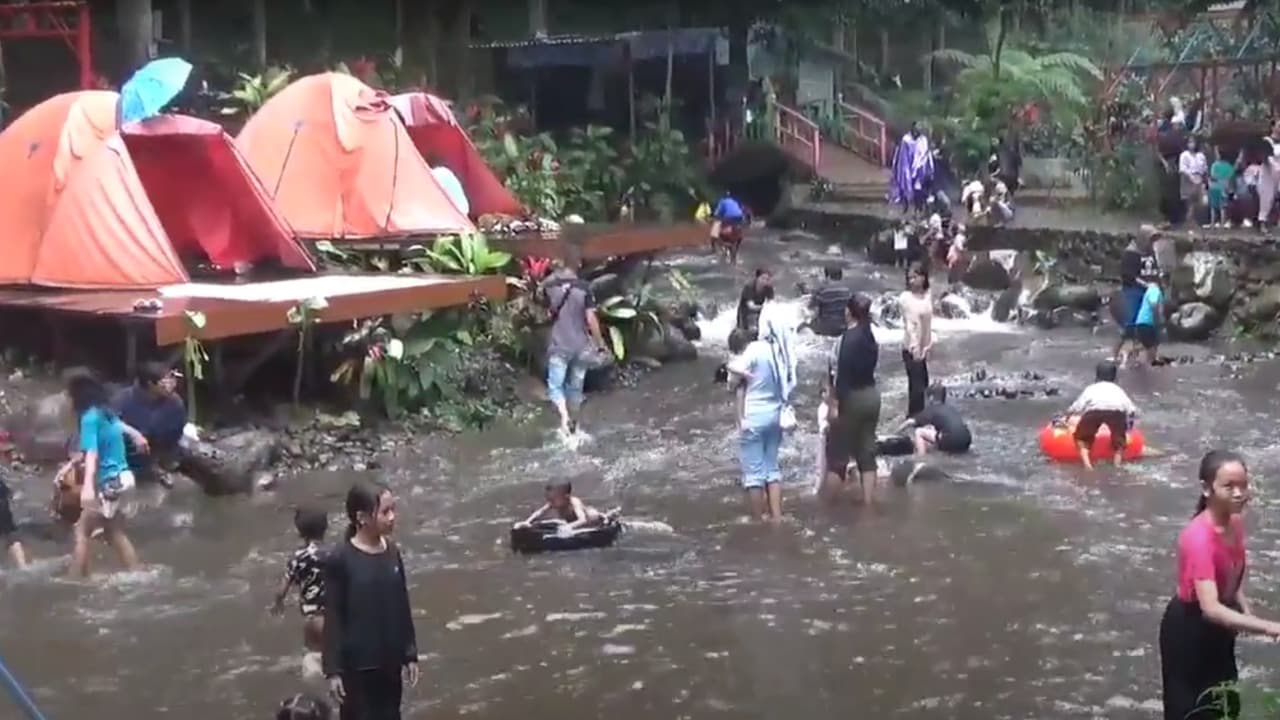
912 170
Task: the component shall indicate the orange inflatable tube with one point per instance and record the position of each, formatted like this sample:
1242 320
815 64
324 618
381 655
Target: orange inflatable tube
1058 443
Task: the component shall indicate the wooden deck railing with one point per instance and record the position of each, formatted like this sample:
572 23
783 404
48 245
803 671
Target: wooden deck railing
799 135
866 134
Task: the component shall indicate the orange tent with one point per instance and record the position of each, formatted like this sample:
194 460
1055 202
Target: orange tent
119 211
38 152
437 135
338 163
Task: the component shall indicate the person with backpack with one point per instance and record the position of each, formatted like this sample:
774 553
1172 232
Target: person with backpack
576 343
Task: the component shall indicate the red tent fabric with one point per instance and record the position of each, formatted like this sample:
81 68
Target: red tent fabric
231 218
339 164
437 135
91 218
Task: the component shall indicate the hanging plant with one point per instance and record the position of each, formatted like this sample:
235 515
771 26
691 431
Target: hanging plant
194 356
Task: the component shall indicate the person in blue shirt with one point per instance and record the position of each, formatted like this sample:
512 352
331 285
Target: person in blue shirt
152 407
106 471
1146 322
730 219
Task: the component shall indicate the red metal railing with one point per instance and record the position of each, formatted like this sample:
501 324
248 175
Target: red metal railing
799 136
866 134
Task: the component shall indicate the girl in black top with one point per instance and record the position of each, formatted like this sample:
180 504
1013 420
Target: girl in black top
856 411
369 640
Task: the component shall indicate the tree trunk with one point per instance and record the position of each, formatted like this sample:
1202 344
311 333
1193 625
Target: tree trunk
398 52
184 26
884 51
259 33
1001 35
133 18
739 74
537 17
673 21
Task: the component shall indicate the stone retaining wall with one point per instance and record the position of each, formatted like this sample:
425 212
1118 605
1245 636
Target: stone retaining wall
1236 275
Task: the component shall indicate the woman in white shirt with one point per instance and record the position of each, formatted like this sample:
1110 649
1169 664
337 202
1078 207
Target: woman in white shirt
917 317
1193 171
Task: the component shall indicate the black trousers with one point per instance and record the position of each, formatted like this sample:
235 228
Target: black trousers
917 382
372 694
1196 658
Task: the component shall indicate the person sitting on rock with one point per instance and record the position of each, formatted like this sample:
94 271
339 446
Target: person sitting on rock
1000 203
828 302
939 426
1103 403
152 406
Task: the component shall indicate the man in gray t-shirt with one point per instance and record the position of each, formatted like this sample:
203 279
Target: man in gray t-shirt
575 329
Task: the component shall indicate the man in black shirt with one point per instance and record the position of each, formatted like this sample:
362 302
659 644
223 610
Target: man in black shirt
828 303
939 425
1139 258
754 296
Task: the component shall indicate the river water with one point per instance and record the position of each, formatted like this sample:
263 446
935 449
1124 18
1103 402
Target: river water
1019 590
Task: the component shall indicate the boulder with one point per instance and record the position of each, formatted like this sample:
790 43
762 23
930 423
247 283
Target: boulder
1213 276
1194 322
679 347
665 343
1007 302
1076 297
230 465
43 429
986 273
799 236
607 285
1264 307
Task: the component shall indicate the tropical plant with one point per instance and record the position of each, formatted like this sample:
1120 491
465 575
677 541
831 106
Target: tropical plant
303 316
423 364
623 318
1006 79
193 356
253 91
661 174
467 254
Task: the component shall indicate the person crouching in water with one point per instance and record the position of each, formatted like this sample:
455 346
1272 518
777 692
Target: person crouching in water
1103 403
828 303
561 504
939 426
305 572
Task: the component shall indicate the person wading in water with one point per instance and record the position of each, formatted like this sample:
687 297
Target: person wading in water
917 316
370 645
575 338
754 295
1199 627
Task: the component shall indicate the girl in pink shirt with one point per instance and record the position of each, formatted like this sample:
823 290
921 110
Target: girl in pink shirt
1198 632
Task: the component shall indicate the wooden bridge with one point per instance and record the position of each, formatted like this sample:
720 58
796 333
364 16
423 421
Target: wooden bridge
856 159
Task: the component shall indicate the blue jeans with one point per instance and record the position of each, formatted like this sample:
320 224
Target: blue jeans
565 378
758 451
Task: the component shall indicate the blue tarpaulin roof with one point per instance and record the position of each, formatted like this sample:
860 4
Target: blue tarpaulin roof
608 49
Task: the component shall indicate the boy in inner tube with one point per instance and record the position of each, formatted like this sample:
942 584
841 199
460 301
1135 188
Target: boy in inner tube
564 506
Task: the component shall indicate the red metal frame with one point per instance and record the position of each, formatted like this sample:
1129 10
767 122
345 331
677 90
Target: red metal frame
799 135
868 134
68 21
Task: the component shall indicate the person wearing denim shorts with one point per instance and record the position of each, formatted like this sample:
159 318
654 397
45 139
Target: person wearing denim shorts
755 376
575 330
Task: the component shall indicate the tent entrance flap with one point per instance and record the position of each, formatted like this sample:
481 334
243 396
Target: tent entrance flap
202 196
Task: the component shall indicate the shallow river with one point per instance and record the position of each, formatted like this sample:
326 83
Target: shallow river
1021 590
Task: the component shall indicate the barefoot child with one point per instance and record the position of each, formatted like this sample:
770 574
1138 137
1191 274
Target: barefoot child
305 571
1103 403
566 507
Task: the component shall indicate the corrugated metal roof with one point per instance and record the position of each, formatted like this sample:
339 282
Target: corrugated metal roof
549 40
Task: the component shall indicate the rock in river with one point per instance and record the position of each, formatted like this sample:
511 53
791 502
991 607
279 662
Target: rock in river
1075 297
231 465
1194 322
1213 278
986 273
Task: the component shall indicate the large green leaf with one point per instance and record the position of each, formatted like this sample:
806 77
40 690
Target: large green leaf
617 340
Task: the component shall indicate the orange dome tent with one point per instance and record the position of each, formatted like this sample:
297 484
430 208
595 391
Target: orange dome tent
38 152
436 133
338 163
118 211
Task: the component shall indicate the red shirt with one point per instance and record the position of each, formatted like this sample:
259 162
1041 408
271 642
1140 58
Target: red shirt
1206 554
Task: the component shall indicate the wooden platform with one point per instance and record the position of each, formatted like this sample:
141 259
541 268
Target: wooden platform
598 242
233 310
